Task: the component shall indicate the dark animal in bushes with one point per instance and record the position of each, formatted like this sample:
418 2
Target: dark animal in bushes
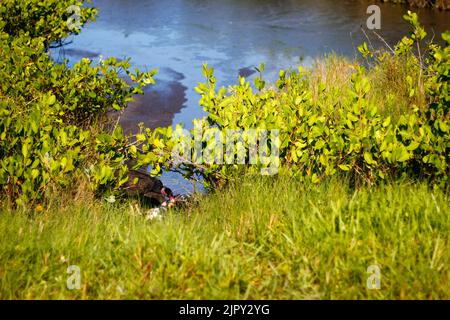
141 184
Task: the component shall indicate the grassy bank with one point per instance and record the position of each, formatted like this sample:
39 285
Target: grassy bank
275 239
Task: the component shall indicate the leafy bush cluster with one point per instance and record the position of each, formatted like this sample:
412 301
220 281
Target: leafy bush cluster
318 139
54 127
45 19
53 119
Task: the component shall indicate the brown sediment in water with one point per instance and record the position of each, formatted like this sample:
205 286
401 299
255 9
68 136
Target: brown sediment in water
156 108
246 72
79 53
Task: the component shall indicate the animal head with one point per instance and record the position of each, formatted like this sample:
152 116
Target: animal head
167 192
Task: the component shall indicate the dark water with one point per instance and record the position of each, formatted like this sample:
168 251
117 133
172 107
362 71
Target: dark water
233 36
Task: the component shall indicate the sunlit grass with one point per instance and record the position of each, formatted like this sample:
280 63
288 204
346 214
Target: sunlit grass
330 81
261 238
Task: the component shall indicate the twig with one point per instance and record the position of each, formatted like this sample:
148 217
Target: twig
384 41
60 44
367 37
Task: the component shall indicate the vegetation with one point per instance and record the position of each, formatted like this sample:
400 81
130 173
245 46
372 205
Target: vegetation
363 177
261 239
342 128
54 127
438 4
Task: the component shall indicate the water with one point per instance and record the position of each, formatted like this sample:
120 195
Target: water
233 36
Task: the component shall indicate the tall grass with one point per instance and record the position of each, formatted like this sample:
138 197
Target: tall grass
259 238
330 81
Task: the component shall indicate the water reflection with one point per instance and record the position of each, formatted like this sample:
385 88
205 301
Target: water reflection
158 104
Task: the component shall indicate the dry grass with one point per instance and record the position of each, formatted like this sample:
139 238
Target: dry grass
330 79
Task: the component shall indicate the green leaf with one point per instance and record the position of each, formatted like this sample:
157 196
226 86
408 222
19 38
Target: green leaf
140 137
443 126
369 159
344 167
413 146
25 150
404 156
51 100
315 178
34 173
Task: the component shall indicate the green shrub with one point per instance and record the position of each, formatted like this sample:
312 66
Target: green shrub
53 119
55 130
325 132
46 19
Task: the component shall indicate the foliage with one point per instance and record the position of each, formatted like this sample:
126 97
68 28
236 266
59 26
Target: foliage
55 134
437 4
349 137
46 19
53 127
